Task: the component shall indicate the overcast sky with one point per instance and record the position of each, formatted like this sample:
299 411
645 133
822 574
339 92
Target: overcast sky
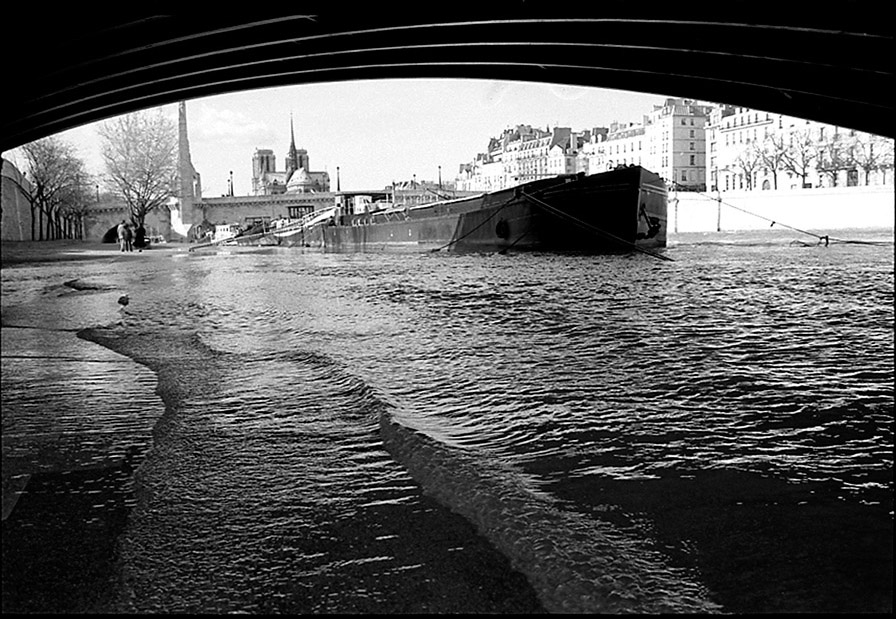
377 131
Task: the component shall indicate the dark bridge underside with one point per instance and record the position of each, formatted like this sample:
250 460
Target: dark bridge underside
831 63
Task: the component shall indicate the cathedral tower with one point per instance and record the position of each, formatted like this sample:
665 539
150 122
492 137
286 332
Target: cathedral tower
263 163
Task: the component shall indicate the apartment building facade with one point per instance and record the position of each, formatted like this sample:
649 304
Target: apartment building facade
751 150
694 146
675 136
522 154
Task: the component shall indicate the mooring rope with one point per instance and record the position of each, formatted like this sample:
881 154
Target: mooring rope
594 229
826 239
482 223
528 229
490 217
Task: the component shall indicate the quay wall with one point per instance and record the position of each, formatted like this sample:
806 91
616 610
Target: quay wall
99 219
242 209
814 210
15 221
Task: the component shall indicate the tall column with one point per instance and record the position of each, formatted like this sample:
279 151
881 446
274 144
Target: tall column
185 194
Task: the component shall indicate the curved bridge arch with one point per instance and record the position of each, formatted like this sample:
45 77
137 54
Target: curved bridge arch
830 64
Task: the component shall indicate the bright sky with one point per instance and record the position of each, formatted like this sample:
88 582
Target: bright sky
377 131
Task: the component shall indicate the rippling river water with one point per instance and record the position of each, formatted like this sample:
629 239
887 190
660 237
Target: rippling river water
500 433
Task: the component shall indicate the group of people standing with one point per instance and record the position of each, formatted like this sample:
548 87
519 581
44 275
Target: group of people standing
130 236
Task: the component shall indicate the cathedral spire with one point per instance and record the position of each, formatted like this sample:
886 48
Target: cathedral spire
292 158
292 135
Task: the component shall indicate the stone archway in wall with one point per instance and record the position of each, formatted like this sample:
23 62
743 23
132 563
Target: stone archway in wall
102 220
111 235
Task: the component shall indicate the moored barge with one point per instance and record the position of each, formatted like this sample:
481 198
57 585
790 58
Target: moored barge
611 212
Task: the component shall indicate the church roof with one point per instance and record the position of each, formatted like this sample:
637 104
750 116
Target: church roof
279 177
299 181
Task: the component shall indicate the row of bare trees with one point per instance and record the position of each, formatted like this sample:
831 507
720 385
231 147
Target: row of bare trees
799 153
139 153
59 190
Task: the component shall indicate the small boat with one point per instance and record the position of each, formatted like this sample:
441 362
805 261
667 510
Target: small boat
616 211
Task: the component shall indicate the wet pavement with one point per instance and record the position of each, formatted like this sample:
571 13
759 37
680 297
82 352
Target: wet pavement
76 420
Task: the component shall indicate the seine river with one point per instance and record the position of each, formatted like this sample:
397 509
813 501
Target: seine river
302 432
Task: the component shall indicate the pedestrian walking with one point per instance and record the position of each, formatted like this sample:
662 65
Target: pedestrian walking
128 238
122 235
140 237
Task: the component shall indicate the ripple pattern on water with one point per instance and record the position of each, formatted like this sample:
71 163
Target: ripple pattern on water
361 433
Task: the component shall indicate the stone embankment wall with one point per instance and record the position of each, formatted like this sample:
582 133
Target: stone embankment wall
834 208
107 215
15 224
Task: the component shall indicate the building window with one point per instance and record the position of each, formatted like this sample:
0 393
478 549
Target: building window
690 145
684 121
684 175
692 133
693 157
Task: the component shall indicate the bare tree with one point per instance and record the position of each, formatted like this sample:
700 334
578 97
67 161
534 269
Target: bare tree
886 160
870 152
140 153
772 153
55 173
833 157
749 161
74 207
800 154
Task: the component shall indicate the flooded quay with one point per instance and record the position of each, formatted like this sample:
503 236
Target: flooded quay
284 431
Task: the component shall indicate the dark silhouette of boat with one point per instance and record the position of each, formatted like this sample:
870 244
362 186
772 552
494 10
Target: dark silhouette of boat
616 211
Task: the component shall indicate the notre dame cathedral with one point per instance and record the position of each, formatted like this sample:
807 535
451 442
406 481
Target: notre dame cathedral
297 178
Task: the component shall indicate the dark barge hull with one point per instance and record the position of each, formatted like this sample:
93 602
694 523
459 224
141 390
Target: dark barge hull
611 212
